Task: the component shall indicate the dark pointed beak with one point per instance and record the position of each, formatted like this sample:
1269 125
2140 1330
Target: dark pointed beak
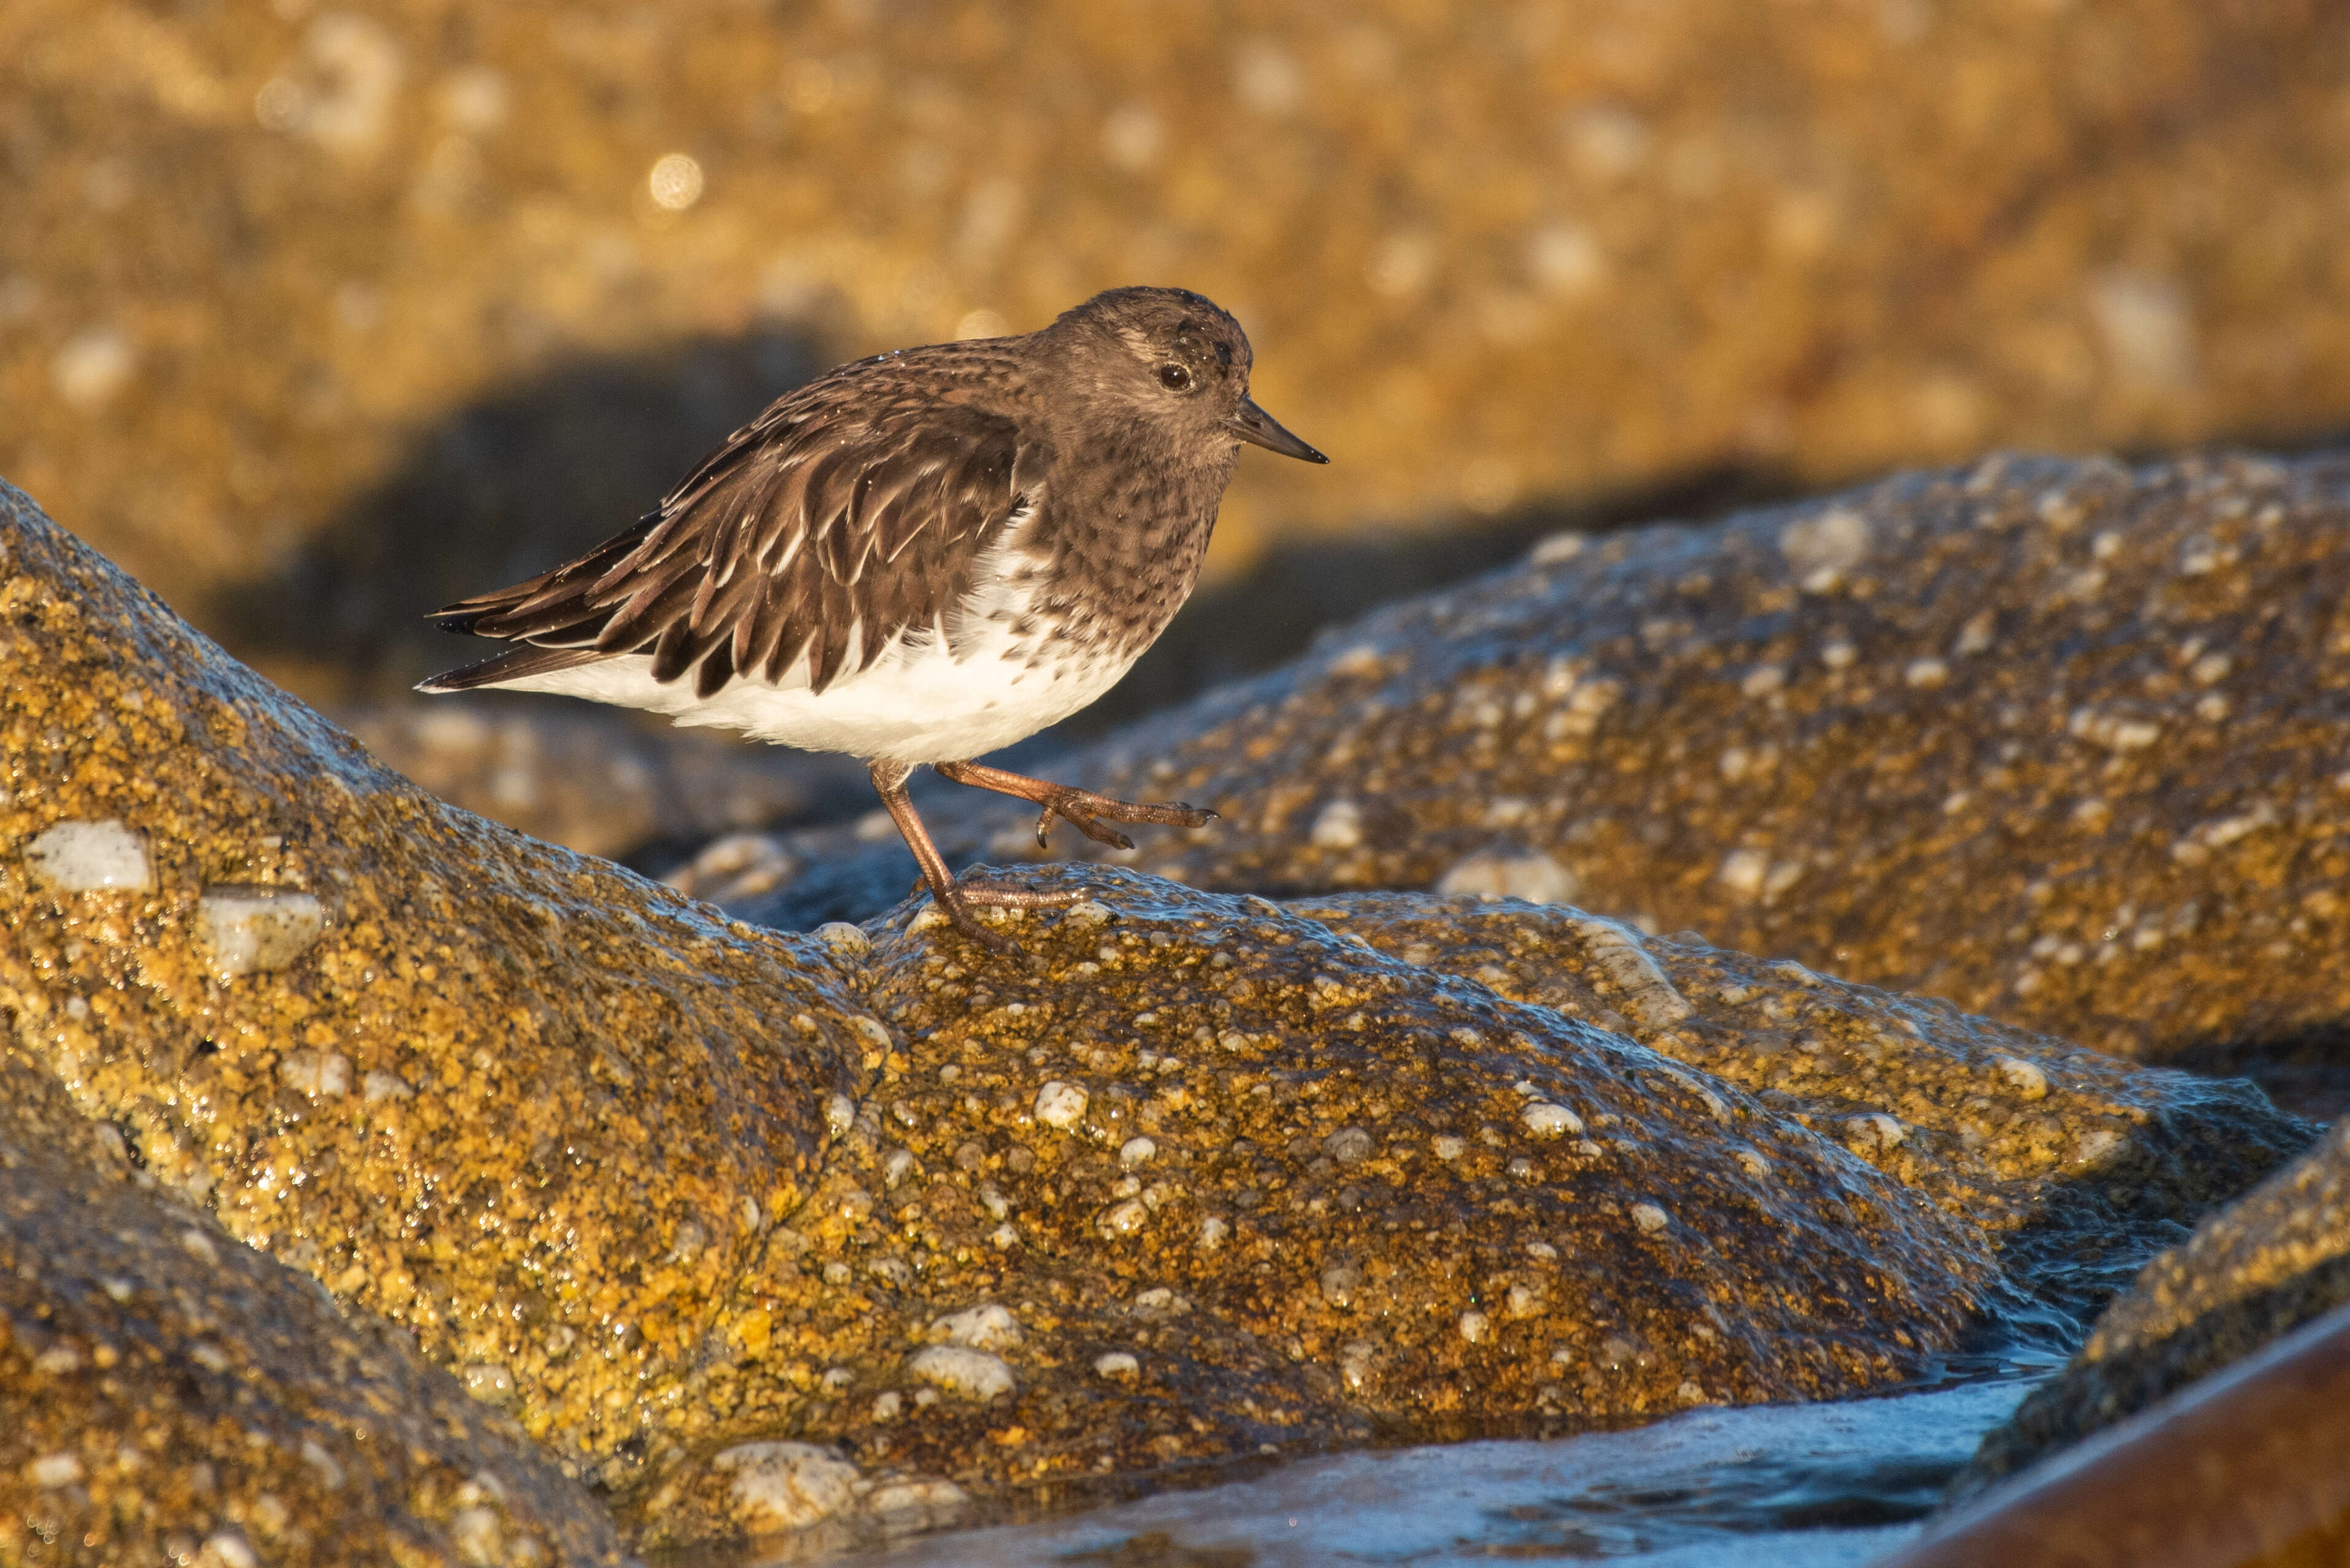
1255 426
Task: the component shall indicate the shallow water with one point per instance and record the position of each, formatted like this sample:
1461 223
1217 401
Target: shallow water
1792 1486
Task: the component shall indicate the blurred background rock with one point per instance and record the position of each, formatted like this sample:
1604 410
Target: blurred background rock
315 318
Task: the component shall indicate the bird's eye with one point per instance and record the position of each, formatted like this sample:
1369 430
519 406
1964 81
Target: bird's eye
1175 378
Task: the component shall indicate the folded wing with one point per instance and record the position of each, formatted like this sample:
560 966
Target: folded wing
815 536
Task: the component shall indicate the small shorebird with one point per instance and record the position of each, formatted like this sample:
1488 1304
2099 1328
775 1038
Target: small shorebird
918 558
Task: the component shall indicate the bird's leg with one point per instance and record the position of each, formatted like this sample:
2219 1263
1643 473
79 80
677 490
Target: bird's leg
1082 808
956 899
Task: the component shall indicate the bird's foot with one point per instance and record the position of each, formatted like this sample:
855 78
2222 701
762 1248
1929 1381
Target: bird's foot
1081 807
958 898
1084 810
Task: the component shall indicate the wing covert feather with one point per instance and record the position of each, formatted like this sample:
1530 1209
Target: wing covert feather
824 531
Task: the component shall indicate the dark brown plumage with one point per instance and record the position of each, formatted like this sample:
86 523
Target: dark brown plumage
919 557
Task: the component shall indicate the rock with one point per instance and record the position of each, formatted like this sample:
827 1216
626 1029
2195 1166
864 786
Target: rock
739 867
972 1373
567 1072
983 1328
2241 1466
1485 259
1403 1181
2252 1273
83 857
666 1188
787 1486
1293 1083
167 1394
2112 817
1502 873
250 929
2071 1162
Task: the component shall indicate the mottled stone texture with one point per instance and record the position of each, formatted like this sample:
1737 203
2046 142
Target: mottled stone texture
2252 1273
2061 742
1488 253
533 1107
1318 1196
167 1394
841 1232
2069 1159
1368 1167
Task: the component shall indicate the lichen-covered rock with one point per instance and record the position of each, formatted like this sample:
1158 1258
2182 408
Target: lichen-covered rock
536 1109
167 1394
2072 1161
1486 254
1198 1178
2061 742
835 1234
2255 1270
1202 1175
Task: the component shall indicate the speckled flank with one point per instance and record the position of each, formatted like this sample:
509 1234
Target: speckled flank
530 1106
2062 742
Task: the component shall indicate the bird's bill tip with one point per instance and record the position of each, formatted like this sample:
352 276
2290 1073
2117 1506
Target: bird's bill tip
1254 425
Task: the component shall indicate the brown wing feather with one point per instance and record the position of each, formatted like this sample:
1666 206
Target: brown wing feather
841 519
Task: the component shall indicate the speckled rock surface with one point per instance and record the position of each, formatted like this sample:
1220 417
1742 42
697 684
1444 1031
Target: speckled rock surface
2061 742
535 1109
169 1396
2252 1273
1201 1179
2074 1163
264 253
832 1236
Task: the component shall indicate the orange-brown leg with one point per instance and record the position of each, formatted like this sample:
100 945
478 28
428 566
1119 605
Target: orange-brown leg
1081 808
956 899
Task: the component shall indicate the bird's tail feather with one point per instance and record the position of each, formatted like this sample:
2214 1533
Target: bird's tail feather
513 665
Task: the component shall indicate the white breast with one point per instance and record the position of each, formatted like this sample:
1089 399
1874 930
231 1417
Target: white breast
913 704
929 698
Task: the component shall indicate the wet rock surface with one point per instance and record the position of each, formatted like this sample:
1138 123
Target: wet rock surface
2252 1273
1485 256
2058 740
533 1108
1795 1486
832 1236
167 1394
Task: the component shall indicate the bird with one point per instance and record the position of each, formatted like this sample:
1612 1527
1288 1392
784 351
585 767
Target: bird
917 559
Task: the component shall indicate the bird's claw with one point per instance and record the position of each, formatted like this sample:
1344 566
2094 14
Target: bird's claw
1091 827
993 941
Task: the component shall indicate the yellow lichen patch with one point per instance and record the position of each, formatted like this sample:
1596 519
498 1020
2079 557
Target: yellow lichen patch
167 1393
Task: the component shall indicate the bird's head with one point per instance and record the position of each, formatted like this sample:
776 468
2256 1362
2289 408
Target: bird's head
1178 362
